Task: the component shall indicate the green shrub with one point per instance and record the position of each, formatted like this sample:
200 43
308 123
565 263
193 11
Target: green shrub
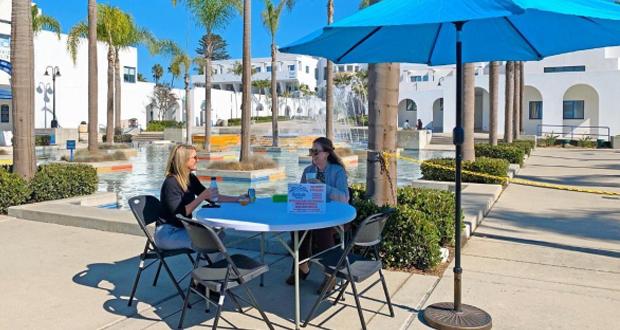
42 140
549 140
85 156
261 119
511 153
124 138
13 190
525 145
434 169
3 152
160 125
413 235
585 142
57 181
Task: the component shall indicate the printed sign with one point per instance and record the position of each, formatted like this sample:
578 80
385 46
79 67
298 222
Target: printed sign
306 198
70 144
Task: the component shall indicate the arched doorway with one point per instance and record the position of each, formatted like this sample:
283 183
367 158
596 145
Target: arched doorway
437 124
580 110
532 114
481 110
407 110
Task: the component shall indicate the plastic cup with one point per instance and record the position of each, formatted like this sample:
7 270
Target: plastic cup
244 201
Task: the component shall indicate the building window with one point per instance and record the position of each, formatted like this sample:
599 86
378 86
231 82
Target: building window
535 109
573 109
4 113
572 68
341 68
268 69
349 68
129 74
291 67
316 73
415 78
258 68
307 69
357 68
325 73
410 105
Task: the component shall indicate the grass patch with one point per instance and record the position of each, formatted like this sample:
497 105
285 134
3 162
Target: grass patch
254 163
114 146
84 156
3 152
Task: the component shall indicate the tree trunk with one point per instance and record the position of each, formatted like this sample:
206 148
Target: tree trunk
188 112
516 130
274 96
383 83
22 89
109 130
329 83
246 82
118 130
208 86
493 100
508 109
93 125
469 103
521 91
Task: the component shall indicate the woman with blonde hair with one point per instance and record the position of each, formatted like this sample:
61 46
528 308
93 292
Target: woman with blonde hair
181 193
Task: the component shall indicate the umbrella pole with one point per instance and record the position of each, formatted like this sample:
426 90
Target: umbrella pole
456 315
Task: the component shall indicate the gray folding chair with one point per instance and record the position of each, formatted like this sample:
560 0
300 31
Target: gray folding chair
221 276
355 268
146 209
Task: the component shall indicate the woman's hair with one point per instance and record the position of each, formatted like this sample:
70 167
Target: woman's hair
328 146
176 165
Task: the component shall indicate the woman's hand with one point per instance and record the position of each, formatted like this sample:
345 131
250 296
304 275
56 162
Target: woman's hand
209 193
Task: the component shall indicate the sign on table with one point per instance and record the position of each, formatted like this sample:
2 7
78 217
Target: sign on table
306 198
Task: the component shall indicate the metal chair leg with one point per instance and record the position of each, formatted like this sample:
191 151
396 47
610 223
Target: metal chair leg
387 294
185 303
157 274
359 306
318 301
136 280
255 304
341 293
236 302
174 281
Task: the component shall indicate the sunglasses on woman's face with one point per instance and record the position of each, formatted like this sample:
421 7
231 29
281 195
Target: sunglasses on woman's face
314 152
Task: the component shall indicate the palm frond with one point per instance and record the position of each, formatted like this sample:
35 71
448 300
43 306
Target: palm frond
78 32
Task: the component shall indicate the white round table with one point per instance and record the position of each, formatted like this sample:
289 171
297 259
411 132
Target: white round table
266 216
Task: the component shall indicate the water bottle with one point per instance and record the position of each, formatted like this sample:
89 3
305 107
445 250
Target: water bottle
213 186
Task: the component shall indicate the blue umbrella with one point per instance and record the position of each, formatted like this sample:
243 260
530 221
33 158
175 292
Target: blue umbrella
437 32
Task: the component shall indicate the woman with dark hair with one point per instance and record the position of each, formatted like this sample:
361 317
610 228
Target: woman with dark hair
329 169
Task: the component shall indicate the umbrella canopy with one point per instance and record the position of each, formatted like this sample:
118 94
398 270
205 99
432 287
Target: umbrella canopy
421 31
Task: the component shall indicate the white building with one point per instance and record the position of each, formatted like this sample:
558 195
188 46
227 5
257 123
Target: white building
571 94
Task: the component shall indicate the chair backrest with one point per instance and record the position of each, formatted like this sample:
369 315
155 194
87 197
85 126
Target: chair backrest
369 231
146 210
204 239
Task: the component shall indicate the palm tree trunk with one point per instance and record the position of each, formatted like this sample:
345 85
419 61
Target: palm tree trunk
383 81
516 132
508 109
22 89
521 89
493 97
188 111
93 125
207 142
274 96
469 98
109 130
329 83
246 82
117 94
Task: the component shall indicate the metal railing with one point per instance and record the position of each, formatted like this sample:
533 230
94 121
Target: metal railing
571 131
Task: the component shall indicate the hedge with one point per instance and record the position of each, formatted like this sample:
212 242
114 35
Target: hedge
435 169
57 181
525 145
511 153
160 125
124 138
13 190
261 119
42 140
413 235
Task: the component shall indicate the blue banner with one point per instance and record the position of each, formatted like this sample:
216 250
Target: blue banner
6 66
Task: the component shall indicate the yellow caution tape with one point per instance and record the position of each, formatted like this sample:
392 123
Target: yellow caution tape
507 179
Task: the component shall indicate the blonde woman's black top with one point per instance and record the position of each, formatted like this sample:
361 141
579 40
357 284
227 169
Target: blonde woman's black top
174 199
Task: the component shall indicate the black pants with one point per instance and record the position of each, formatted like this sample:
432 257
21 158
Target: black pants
316 241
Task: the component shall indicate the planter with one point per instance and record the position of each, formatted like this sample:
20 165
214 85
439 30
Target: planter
108 167
266 175
204 157
262 149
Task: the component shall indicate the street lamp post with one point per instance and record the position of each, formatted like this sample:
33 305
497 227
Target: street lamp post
55 72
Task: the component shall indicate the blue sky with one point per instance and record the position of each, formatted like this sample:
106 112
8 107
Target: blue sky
168 22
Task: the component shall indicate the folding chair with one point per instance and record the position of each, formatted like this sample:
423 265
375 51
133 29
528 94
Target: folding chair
232 271
354 268
146 209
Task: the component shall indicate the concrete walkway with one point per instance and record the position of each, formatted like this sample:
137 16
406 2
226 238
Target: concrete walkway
547 259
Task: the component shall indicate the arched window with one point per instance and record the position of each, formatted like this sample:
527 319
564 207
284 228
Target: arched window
4 113
410 105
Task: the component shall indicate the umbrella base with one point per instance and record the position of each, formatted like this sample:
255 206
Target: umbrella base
443 316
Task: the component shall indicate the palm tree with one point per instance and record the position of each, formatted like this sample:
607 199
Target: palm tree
493 97
271 20
521 89
174 73
329 83
262 86
508 109
43 22
246 79
158 71
213 15
93 91
218 47
360 89
469 97
22 88
516 112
